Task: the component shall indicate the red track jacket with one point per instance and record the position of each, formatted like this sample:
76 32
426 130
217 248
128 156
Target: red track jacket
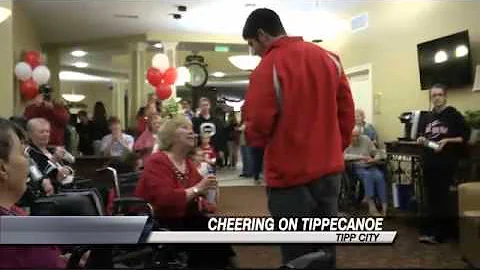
305 134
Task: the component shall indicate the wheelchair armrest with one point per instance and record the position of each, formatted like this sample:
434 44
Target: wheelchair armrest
132 202
129 201
82 182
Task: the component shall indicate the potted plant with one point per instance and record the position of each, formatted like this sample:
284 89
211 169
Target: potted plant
473 119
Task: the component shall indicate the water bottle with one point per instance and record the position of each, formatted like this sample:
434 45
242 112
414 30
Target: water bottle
36 179
35 174
212 192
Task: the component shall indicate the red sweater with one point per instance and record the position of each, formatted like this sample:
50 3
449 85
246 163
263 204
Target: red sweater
159 186
58 118
316 119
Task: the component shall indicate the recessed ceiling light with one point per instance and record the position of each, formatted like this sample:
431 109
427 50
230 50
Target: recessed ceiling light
80 64
79 53
218 74
158 45
250 5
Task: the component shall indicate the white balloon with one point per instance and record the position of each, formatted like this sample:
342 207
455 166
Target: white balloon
161 62
41 75
23 71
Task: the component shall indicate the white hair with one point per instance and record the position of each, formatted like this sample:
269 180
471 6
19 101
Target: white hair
36 122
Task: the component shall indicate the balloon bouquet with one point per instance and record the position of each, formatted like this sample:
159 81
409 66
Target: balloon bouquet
32 73
161 76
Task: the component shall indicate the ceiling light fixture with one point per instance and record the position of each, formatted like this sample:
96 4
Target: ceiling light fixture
73 97
245 62
218 74
5 13
158 45
81 77
79 53
80 64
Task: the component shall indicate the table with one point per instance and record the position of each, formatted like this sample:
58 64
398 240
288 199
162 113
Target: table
404 166
401 152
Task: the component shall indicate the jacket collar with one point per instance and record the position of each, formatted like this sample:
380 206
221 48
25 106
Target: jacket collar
35 148
283 41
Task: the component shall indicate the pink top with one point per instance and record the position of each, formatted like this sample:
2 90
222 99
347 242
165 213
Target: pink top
145 143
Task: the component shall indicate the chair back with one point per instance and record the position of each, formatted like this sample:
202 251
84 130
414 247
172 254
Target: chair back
127 183
69 203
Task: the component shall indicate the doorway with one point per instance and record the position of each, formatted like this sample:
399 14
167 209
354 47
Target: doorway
360 79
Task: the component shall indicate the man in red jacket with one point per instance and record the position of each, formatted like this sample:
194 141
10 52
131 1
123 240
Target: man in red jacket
300 108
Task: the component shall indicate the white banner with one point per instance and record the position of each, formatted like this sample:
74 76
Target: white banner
249 237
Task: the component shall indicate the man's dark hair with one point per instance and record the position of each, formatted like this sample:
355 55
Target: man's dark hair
141 112
99 112
441 86
6 140
265 19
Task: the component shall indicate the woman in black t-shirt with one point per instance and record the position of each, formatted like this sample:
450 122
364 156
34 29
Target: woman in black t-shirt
448 129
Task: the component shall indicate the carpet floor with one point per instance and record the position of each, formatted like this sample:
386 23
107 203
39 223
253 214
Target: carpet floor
406 252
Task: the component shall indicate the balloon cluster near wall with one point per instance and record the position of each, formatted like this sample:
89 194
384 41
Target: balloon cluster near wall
161 76
32 73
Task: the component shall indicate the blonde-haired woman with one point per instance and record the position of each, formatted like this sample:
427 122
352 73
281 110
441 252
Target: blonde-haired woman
172 184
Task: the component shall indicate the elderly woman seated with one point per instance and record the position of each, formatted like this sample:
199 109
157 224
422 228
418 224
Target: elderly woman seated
172 184
364 156
49 161
13 175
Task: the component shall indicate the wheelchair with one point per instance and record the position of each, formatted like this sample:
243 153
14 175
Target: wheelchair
352 190
89 202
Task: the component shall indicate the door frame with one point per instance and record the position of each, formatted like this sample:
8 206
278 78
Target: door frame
362 69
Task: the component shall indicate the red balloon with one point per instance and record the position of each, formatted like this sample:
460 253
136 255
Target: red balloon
32 58
164 91
154 76
170 75
29 89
